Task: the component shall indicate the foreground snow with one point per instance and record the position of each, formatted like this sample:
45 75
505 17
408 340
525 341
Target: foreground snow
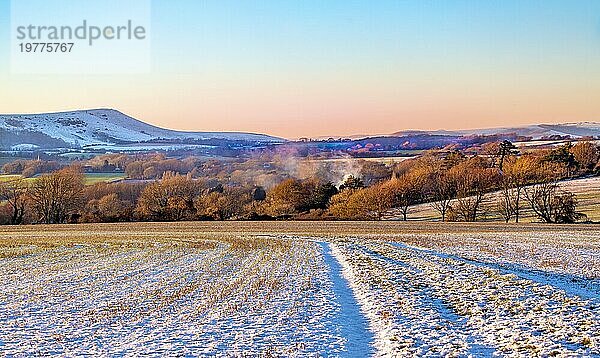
171 290
426 304
270 299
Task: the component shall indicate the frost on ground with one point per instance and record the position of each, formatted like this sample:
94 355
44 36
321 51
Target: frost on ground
419 303
562 251
244 296
299 289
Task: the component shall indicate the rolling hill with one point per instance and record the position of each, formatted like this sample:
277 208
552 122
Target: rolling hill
105 129
538 131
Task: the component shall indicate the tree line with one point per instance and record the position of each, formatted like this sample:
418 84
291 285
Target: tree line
458 186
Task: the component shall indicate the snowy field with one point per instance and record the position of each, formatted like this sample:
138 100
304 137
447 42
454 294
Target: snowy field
300 289
586 189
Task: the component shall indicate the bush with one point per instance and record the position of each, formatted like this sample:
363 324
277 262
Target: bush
565 206
170 199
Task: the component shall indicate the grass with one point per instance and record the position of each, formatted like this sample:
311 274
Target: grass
94 178
8 177
90 178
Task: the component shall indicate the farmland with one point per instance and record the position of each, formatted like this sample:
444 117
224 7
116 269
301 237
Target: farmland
300 288
94 178
90 178
4 178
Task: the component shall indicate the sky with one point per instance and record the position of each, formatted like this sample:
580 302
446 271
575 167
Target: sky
341 67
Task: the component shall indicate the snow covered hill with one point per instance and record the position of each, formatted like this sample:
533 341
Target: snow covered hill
538 131
101 128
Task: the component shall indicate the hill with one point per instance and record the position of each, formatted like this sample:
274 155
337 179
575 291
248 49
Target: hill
536 132
105 129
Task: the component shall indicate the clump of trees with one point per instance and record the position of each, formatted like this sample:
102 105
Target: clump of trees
14 194
370 203
169 199
30 168
587 157
552 205
156 167
293 196
498 180
461 188
57 197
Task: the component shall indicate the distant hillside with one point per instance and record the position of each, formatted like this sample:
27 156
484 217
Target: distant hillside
104 129
540 131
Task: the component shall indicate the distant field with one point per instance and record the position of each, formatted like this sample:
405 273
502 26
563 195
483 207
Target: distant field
94 178
90 178
547 143
300 289
9 177
385 160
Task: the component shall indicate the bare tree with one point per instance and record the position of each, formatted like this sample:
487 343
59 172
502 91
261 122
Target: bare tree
515 176
508 202
15 194
540 197
406 190
473 181
552 205
56 197
472 187
442 189
513 183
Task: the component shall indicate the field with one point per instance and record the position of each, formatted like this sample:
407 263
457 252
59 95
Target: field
5 178
586 189
300 289
384 160
90 178
94 178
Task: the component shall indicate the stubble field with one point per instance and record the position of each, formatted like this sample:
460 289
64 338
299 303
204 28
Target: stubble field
300 289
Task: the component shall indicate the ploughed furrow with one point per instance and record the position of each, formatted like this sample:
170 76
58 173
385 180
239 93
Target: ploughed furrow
230 296
427 304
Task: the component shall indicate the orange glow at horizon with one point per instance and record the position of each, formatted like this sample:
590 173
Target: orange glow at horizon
313 109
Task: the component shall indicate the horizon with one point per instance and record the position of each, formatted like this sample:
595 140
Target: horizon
333 135
315 70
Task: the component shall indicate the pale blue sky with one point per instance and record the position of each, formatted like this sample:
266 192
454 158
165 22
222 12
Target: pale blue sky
320 67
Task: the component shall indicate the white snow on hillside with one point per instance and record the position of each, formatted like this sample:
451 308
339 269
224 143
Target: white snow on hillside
107 126
575 130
